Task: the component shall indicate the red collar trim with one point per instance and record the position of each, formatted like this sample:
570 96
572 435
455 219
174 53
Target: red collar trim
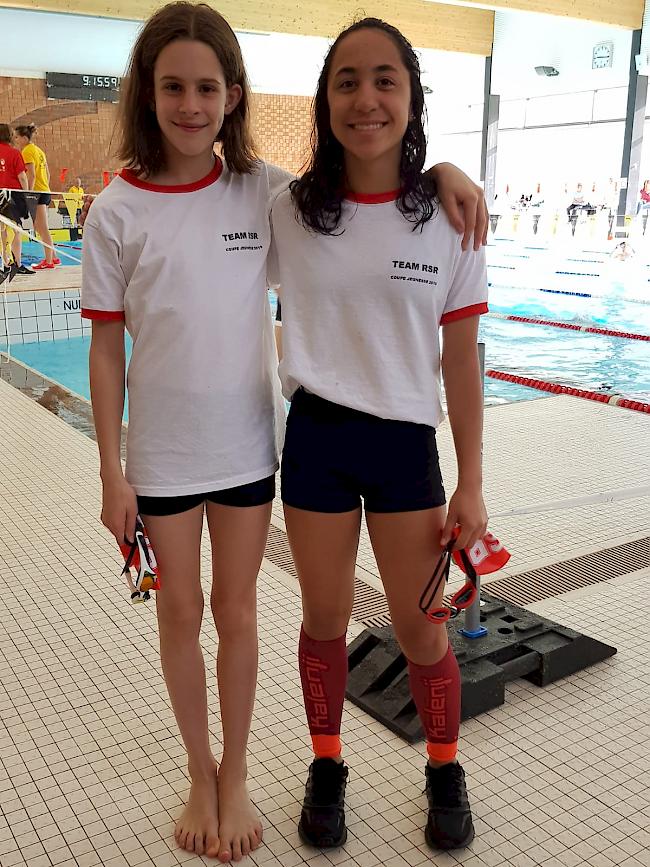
214 175
372 198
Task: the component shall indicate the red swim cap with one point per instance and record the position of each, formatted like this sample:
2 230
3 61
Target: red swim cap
486 555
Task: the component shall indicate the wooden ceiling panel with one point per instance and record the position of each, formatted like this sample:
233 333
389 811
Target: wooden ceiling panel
620 13
427 25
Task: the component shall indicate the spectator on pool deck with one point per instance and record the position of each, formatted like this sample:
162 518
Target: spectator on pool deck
577 202
38 176
78 192
644 197
13 178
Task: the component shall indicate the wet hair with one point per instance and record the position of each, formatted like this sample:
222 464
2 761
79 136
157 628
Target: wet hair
141 141
27 130
6 134
319 193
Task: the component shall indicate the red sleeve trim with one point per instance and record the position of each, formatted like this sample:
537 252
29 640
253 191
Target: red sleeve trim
464 313
103 315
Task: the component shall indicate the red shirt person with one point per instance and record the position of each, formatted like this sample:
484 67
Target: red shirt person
11 166
13 176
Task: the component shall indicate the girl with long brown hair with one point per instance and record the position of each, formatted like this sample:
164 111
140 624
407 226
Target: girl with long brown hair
175 250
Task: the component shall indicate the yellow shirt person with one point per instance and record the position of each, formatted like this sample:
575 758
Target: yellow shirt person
77 191
34 155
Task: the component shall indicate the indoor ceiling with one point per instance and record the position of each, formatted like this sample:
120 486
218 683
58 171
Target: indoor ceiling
460 25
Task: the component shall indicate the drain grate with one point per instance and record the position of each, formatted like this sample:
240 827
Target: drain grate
558 578
278 550
371 607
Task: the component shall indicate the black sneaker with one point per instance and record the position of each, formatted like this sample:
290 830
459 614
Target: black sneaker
25 271
5 273
449 825
322 820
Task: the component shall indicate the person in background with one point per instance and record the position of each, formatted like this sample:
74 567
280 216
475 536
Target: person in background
644 198
577 202
38 176
78 192
622 252
13 178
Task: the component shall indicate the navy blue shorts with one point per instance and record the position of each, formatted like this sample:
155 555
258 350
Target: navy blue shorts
252 494
335 456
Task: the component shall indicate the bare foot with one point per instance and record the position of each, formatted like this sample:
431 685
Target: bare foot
240 830
197 830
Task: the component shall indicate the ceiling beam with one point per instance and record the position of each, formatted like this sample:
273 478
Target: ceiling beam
427 25
619 13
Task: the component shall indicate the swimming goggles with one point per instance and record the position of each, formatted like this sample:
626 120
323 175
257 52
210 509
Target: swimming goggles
461 599
138 555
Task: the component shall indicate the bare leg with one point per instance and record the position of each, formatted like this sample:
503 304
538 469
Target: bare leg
17 248
42 229
407 546
238 536
176 541
324 548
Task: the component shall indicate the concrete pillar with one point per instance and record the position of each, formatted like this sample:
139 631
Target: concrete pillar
490 135
633 138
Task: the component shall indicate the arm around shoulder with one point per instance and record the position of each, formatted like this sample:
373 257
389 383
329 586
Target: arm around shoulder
463 202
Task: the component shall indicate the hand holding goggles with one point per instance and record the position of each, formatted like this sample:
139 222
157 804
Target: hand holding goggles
485 556
461 599
139 556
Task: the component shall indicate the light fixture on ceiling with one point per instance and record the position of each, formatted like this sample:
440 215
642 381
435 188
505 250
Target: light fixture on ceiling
550 71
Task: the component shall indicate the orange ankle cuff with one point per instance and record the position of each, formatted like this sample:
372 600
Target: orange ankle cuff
442 752
326 746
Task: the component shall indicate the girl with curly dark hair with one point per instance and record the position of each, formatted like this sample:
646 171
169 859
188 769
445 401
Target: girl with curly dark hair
370 268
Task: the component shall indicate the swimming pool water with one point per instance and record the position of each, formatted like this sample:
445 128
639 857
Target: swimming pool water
590 361
69 252
525 281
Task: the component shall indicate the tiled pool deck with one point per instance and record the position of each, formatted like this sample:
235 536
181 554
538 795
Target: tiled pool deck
91 766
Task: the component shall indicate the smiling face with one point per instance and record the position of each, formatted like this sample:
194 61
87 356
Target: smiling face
369 97
191 100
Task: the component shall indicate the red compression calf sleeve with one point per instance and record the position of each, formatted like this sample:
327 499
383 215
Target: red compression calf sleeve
436 693
323 672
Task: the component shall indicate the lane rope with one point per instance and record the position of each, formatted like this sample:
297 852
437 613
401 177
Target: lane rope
646 301
556 388
570 326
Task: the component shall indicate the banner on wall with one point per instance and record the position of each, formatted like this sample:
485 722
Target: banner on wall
71 204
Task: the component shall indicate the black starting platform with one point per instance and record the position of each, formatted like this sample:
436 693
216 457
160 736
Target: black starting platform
518 643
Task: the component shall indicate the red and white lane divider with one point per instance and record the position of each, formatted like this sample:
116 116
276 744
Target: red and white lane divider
570 326
556 388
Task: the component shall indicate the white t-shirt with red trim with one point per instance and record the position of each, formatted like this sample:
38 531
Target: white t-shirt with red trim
361 310
185 268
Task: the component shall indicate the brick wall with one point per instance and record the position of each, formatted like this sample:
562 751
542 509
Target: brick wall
80 136
282 126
